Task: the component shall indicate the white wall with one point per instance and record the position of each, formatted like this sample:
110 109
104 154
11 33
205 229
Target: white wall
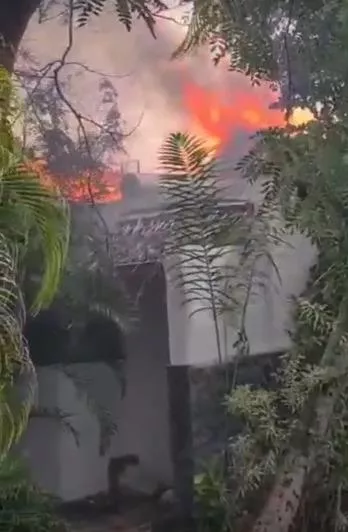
268 317
143 415
57 464
72 472
40 445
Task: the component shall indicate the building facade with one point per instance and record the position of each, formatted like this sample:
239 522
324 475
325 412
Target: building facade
170 414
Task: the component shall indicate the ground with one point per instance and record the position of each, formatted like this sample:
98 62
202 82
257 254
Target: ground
134 514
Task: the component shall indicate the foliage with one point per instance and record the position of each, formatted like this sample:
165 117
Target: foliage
304 176
30 217
126 11
23 508
47 127
27 205
85 323
214 243
299 46
300 49
270 418
212 498
191 191
89 314
94 307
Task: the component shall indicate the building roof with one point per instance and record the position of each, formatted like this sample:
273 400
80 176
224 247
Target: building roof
138 226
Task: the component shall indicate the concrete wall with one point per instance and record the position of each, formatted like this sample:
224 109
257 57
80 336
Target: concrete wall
144 425
268 318
166 334
192 339
73 472
41 443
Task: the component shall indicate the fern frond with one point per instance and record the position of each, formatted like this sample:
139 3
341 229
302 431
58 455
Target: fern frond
205 233
316 316
203 19
88 8
126 11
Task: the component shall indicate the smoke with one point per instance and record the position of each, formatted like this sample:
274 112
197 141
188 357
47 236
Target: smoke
150 85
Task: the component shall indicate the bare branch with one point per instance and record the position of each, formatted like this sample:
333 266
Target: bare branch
78 116
289 102
53 71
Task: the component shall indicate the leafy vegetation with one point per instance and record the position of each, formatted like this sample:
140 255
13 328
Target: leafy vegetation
192 196
31 217
87 320
35 223
218 255
126 11
23 508
294 441
207 227
292 444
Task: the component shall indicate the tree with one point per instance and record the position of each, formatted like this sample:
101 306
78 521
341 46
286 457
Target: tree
204 235
31 218
16 14
72 160
79 322
15 17
84 154
300 48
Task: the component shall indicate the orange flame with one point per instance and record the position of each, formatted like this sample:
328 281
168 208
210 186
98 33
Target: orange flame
90 186
217 116
214 115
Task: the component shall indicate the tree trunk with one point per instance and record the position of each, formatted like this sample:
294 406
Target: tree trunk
14 19
283 503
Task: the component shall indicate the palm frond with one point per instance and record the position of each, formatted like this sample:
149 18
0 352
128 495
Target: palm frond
40 213
46 219
107 426
57 415
15 363
28 211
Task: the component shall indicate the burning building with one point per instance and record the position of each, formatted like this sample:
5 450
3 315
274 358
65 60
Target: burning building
169 418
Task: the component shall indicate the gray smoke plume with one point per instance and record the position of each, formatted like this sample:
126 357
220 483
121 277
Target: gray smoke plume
150 85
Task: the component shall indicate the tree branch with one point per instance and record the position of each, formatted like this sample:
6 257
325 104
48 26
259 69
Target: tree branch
14 19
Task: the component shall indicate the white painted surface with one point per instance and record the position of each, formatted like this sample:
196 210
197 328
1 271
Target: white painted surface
179 322
143 415
40 445
268 316
82 470
192 339
72 472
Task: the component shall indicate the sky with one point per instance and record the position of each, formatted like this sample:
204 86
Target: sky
149 83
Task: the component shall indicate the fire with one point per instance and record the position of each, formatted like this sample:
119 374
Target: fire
93 185
301 117
218 116
214 115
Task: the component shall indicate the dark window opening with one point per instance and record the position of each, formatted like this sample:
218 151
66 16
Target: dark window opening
53 341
